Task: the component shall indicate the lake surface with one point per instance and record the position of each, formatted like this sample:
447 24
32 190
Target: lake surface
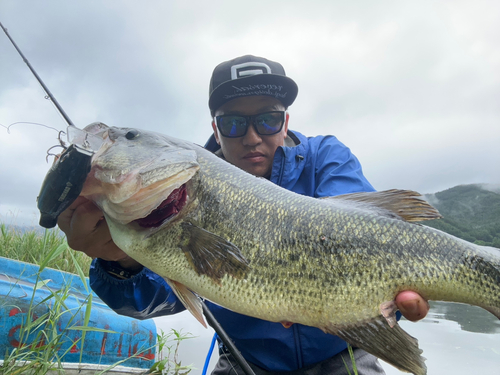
456 339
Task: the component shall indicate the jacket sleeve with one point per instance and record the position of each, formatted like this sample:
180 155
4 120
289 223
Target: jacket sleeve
337 170
143 296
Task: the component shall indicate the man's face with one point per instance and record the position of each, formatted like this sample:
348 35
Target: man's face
253 153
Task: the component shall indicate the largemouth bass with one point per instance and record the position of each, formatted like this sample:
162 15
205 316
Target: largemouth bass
245 243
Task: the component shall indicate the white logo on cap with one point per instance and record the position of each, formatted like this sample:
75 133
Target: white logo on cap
238 71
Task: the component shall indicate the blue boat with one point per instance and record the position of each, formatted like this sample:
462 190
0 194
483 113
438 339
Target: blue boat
121 339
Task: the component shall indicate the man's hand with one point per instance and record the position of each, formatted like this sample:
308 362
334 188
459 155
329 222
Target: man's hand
87 231
412 305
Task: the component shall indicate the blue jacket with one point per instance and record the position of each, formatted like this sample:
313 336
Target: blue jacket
317 167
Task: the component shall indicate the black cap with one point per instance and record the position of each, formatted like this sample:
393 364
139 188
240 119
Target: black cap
249 76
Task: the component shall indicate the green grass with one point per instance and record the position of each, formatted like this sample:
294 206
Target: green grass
34 247
353 361
168 347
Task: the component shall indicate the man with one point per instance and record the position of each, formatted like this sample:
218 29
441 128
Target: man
248 100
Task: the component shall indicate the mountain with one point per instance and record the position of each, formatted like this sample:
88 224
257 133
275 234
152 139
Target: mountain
470 212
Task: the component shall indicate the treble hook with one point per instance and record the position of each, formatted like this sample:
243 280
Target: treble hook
61 144
55 155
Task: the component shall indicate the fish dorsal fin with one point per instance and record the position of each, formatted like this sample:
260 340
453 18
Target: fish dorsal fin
406 204
188 299
212 255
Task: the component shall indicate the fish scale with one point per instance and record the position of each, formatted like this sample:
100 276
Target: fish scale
260 250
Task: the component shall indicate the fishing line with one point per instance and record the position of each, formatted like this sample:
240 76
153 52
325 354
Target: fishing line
30 123
61 144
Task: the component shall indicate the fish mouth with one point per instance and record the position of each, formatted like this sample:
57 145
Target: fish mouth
146 206
167 209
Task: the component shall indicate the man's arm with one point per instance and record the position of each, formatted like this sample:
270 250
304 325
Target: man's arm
142 294
338 170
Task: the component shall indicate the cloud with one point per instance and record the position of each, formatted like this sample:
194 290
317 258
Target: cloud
411 89
495 188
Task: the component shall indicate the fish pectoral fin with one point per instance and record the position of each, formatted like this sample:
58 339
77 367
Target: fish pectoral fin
188 299
393 345
212 255
406 204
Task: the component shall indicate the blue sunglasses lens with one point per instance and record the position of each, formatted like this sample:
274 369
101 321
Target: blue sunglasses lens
268 123
232 126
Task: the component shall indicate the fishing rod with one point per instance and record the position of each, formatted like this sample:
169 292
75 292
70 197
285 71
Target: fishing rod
64 182
226 340
46 89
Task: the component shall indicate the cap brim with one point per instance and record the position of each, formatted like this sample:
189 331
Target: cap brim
277 86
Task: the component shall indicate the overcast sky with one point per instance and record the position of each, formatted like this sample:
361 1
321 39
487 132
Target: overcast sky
412 87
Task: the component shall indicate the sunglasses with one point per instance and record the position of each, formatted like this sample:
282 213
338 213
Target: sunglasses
234 126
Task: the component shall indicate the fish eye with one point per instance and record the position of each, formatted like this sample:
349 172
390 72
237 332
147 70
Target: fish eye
131 134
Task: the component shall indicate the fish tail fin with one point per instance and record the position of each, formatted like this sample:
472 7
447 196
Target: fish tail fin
392 344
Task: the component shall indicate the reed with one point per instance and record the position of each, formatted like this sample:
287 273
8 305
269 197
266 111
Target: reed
34 247
353 361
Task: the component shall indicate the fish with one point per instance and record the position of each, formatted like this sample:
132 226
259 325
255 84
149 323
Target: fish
216 232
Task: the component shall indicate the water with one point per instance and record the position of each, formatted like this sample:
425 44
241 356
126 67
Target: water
456 339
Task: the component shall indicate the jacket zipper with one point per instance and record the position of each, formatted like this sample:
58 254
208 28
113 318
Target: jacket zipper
282 167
